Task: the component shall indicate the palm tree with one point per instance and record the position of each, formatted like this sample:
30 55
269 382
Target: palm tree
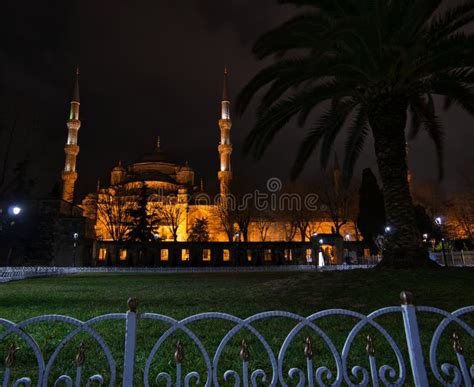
372 65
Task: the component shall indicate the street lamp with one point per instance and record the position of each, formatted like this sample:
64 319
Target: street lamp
13 211
75 237
439 223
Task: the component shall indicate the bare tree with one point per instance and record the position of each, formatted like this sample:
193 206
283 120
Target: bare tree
224 212
460 206
243 217
290 228
172 213
113 212
263 222
340 202
459 212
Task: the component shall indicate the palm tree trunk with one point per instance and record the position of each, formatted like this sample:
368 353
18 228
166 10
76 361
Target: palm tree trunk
404 247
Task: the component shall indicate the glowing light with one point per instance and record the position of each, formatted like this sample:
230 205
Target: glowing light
439 221
388 229
321 241
16 210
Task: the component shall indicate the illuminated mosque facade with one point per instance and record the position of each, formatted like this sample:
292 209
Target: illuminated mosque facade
163 177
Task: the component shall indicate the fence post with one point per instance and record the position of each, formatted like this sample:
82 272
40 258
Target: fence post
130 341
462 258
413 340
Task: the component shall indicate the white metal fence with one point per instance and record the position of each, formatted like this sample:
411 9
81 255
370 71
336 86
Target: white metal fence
8 274
454 258
319 358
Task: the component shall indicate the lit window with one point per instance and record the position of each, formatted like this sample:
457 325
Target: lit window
267 255
249 255
164 254
309 255
102 254
206 254
288 255
185 254
367 253
123 254
226 255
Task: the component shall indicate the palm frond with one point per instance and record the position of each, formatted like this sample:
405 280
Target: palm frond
358 132
306 149
266 76
271 123
456 92
430 122
299 32
339 113
451 21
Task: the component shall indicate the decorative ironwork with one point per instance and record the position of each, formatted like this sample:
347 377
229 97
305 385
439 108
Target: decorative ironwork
370 348
81 355
335 370
244 351
406 298
132 304
457 346
308 348
179 354
10 359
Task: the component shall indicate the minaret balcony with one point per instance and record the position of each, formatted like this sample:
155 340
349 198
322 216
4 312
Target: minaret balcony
73 124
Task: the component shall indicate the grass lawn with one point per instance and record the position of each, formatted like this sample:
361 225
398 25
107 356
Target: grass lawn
243 294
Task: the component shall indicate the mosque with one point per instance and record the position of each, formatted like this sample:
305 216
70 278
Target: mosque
157 175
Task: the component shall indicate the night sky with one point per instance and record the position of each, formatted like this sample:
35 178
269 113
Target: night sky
149 68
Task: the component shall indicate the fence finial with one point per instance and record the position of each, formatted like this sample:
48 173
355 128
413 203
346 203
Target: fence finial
10 360
179 353
457 346
308 348
132 304
81 355
370 347
244 351
406 298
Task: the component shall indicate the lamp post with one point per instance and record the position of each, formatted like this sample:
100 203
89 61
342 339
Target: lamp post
75 237
13 211
439 223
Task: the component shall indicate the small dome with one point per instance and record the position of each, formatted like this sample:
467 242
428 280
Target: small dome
186 168
119 168
157 156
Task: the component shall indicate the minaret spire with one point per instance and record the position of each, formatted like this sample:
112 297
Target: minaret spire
225 147
225 103
71 149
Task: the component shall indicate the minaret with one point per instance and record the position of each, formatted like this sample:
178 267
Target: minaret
225 147
71 149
